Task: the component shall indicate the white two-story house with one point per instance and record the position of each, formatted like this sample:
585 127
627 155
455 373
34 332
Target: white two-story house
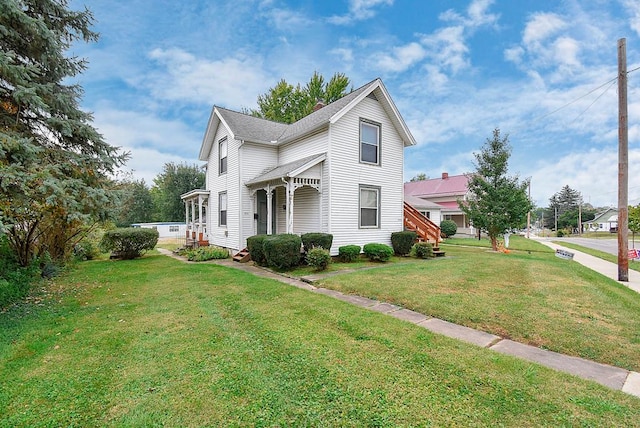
338 170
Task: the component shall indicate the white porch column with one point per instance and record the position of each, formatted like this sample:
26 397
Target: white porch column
186 216
269 210
200 215
193 217
290 192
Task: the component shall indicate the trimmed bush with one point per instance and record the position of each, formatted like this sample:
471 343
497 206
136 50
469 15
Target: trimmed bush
349 253
377 252
15 281
448 228
129 242
560 233
203 254
422 250
316 239
282 251
256 249
403 241
318 258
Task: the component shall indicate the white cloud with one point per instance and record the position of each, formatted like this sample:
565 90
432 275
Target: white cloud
540 27
288 20
477 15
231 82
633 8
402 57
359 10
566 51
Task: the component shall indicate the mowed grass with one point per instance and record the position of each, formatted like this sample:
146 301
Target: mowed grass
529 296
157 342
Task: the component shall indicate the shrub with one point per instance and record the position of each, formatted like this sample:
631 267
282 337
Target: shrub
349 253
129 242
422 250
377 252
282 251
203 254
316 239
256 249
448 228
403 241
560 233
86 250
318 258
15 281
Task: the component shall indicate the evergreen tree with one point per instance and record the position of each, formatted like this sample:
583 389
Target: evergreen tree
53 162
563 206
498 202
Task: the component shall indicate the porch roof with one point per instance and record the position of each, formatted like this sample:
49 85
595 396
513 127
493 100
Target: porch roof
192 194
290 169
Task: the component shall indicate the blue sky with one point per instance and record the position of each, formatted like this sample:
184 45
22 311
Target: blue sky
455 69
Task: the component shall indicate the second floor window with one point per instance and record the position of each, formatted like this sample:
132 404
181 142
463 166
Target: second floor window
369 142
222 209
222 150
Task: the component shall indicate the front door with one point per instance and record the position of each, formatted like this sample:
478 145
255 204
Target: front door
261 196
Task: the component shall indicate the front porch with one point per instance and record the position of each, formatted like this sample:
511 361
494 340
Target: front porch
196 203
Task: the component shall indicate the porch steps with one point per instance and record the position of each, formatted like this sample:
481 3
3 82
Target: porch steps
242 256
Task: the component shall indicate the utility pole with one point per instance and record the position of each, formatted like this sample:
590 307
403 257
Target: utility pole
580 218
623 165
529 213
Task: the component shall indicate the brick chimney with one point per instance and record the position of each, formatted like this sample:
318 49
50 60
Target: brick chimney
445 175
318 105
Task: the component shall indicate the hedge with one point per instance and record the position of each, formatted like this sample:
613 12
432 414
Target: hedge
282 251
377 252
256 249
403 241
318 258
349 253
422 250
316 239
129 242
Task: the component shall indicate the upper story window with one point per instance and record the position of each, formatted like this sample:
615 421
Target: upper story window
222 154
369 142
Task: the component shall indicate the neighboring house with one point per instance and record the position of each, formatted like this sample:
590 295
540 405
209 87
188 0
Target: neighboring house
165 229
603 222
338 170
444 192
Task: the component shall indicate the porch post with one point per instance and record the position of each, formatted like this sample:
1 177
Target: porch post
193 218
290 192
186 216
200 215
269 213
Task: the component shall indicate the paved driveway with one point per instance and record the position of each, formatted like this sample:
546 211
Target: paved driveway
606 245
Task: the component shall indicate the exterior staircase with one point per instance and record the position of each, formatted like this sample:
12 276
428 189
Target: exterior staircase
427 230
242 256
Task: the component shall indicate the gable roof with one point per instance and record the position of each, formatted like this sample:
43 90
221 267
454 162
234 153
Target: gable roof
249 128
421 203
452 185
607 216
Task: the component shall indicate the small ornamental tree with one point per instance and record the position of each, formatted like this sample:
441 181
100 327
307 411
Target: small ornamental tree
634 220
497 202
448 228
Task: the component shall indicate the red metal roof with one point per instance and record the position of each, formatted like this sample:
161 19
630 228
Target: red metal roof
452 185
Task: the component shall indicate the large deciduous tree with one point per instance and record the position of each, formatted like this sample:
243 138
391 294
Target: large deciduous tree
497 202
173 181
287 103
53 162
135 203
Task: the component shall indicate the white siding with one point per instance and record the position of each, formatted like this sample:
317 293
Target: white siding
223 236
306 211
311 145
347 173
254 160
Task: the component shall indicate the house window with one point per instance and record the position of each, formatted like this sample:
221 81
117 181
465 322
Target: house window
222 209
369 142
174 228
427 214
369 207
222 153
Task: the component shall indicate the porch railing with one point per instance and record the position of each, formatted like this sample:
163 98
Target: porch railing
425 228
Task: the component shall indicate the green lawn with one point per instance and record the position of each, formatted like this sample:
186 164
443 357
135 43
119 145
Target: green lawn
157 342
529 296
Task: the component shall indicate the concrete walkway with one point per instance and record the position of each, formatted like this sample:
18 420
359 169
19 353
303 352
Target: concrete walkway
610 376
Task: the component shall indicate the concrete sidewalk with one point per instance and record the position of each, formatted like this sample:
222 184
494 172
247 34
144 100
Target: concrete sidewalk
604 267
610 376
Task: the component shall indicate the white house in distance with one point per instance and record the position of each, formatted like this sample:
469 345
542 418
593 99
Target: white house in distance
605 221
165 229
338 170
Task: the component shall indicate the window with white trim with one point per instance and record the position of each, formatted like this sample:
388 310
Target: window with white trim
369 207
222 209
222 154
174 228
369 142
